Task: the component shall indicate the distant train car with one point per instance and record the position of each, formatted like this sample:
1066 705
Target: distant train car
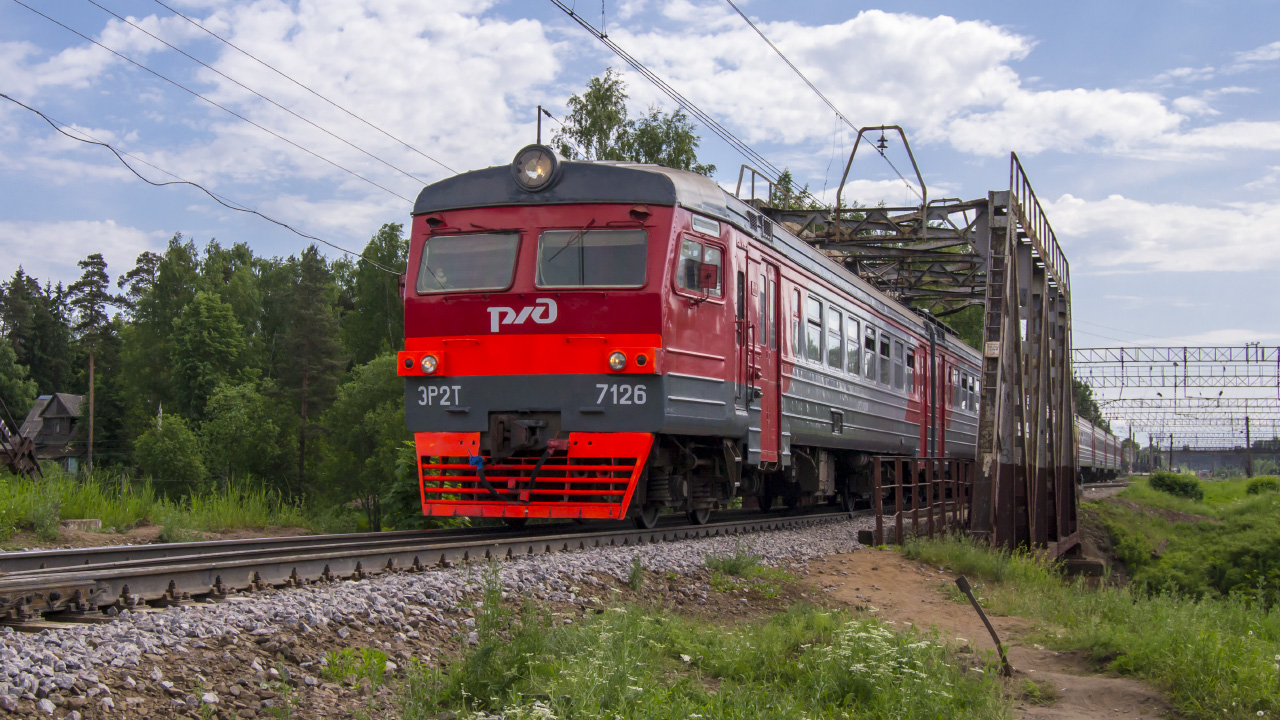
1098 453
612 340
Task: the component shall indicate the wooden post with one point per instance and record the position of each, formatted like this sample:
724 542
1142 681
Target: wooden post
877 497
89 461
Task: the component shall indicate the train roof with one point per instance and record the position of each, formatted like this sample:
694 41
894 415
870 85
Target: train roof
600 182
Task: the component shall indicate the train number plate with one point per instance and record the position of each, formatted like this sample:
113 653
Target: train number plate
621 394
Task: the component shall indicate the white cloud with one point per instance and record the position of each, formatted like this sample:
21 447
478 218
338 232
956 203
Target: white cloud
1192 105
1185 75
50 250
1264 54
1122 234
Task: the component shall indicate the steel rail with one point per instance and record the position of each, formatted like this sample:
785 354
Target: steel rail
32 560
83 592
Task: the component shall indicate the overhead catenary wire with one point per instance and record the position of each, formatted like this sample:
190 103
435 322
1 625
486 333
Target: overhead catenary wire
232 205
322 129
722 132
214 103
286 76
819 93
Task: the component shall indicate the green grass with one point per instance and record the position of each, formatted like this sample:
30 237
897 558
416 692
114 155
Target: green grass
1238 554
629 663
742 570
39 505
1219 496
351 665
1213 657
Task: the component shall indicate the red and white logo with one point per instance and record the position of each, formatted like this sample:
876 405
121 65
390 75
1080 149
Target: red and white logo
543 312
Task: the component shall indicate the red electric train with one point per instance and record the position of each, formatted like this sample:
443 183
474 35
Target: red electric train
611 340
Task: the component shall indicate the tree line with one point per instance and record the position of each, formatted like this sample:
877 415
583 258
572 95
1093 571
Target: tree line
214 364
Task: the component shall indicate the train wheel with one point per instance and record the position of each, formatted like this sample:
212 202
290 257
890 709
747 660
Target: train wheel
765 502
700 516
792 501
515 522
647 517
846 501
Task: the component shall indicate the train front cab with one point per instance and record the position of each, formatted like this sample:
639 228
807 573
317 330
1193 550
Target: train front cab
532 357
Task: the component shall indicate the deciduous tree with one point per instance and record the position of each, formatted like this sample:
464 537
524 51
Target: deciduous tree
597 127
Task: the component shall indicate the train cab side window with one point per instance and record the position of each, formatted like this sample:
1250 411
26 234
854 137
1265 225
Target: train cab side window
977 394
911 371
855 355
797 351
835 343
742 305
772 315
693 256
955 387
899 355
869 353
813 330
763 335
884 358
964 391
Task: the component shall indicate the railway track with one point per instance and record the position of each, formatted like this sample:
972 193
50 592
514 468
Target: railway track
84 585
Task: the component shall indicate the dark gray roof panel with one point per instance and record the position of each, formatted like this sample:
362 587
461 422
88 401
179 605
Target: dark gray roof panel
579 182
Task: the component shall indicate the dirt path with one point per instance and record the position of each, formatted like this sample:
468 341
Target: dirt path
904 591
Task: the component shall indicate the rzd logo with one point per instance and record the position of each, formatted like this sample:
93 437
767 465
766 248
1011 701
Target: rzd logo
542 312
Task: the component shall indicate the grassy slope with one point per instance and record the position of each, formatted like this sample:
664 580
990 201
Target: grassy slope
1213 657
631 662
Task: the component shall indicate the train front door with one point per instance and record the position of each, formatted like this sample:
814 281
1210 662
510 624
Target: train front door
762 342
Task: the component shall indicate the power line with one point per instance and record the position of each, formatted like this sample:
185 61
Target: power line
211 102
681 100
255 92
179 181
818 92
282 74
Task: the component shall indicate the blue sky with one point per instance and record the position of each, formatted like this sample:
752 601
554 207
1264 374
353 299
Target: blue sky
1150 129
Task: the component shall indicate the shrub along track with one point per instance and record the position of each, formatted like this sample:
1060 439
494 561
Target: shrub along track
92 584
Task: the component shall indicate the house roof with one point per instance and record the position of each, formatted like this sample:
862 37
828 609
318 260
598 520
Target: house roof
55 407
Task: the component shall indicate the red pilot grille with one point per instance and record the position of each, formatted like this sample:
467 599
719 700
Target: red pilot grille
592 475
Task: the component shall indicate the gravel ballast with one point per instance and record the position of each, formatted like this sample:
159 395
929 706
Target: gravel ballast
57 672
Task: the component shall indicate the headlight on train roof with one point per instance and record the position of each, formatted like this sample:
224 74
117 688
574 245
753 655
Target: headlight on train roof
617 361
429 364
535 166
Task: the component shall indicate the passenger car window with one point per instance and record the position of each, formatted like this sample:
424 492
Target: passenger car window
869 353
835 343
591 258
452 263
855 356
898 358
911 370
813 330
693 254
884 358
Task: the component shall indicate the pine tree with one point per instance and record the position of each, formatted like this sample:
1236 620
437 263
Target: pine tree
375 323
90 298
311 361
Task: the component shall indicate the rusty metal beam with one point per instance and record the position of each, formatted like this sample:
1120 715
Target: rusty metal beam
1024 492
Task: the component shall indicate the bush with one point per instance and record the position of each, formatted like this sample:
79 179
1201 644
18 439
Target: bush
170 454
1266 483
1175 484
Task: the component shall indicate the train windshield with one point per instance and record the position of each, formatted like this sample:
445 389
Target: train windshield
468 262
592 258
